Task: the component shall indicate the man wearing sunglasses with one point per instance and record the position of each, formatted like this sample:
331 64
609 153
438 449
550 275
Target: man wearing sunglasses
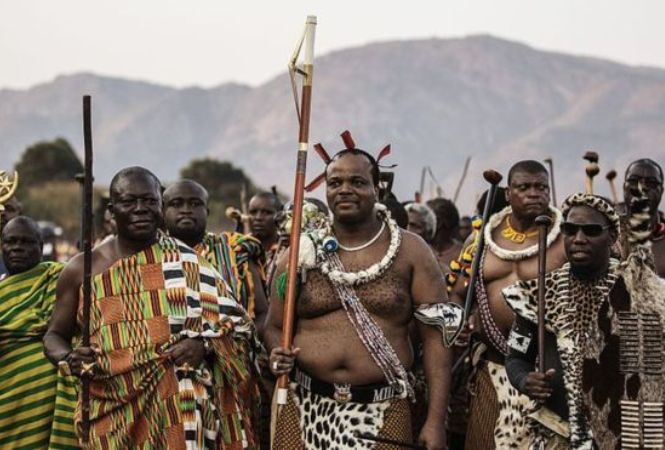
647 175
603 386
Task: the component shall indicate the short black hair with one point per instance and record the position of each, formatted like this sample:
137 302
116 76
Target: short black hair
376 173
130 172
446 213
529 166
277 203
646 162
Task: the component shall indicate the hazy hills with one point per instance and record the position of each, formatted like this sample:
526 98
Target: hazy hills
435 100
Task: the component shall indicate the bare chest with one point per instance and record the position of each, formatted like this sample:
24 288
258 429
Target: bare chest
388 296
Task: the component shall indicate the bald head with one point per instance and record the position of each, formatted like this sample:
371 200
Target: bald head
12 208
21 245
190 187
186 211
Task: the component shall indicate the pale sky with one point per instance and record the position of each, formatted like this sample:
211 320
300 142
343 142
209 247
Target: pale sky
208 42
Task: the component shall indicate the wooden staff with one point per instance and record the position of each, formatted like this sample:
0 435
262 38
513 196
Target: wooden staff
245 209
611 176
543 222
462 178
86 227
307 71
550 164
592 169
493 178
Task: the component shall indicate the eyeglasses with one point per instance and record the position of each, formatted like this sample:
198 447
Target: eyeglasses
589 229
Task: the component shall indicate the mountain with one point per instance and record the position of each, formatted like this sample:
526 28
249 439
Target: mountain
436 101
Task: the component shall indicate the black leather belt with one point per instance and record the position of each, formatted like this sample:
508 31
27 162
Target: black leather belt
343 393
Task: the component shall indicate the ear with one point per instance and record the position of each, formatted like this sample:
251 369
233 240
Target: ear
506 194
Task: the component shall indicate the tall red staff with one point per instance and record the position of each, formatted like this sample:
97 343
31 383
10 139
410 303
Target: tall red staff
303 110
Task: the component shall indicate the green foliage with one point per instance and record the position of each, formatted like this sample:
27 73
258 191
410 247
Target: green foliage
58 202
224 184
223 181
45 162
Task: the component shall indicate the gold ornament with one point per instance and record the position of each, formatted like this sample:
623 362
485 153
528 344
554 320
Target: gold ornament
7 187
516 236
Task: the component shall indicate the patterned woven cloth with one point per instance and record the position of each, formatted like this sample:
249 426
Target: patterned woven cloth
230 254
29 398
140 307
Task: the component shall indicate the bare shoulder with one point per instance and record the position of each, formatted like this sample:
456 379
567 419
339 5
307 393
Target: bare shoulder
416 249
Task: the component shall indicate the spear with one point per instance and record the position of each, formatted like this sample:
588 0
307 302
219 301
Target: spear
86 234
303 112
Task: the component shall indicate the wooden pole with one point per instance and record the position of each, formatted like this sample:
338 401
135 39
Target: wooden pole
543 222
493 178
298 195
87 257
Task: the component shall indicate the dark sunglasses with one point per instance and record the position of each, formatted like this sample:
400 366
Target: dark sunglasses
589 229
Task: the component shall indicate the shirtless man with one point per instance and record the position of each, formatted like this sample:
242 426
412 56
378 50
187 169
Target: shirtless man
510 254
335 375
648 173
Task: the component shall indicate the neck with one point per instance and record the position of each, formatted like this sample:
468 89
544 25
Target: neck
522 224
357 233
268 241
590 274
127 247
193 242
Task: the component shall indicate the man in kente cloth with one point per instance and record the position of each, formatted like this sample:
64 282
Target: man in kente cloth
648 175
237 257
166 336
351 355
604 383
29 416
263 209
510 253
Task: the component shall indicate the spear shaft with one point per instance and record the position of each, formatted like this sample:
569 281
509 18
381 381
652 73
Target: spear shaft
298 195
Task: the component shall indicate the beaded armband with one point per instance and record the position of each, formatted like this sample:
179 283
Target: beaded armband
447 317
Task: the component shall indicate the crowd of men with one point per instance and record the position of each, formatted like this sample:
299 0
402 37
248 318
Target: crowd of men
186 325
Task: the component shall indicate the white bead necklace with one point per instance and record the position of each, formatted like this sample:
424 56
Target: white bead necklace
366 244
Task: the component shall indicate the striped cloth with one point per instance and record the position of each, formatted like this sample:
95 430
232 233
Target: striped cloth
231 253
29 398
140 307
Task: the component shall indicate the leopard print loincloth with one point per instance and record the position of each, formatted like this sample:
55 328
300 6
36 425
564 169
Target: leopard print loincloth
510 431
314 422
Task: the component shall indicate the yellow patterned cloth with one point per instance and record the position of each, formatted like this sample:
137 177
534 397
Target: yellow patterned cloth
36 404
231 253
141 306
